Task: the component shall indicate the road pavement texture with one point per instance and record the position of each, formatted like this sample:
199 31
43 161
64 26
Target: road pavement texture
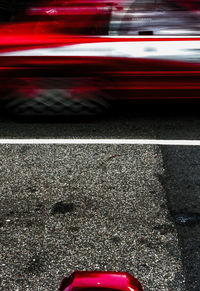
69 207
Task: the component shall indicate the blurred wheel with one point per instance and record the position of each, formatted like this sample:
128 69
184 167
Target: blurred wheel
53 101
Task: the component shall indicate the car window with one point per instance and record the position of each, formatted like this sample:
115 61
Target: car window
157 17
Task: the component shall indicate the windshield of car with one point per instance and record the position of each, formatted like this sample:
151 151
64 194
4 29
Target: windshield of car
157 17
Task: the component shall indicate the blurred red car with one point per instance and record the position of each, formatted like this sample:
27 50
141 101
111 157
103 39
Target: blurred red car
64 59
100 281
193 5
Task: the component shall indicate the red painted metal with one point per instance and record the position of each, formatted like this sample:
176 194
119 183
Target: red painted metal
100 281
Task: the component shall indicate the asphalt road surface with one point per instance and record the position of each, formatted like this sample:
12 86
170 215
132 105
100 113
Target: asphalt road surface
132 208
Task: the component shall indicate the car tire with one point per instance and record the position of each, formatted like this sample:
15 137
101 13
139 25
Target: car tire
54 102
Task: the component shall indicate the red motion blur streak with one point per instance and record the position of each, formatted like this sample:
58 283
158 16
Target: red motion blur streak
75 16
129 77
189 4
122 78
24 39
100 281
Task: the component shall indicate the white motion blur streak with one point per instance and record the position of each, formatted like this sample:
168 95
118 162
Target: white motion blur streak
169 50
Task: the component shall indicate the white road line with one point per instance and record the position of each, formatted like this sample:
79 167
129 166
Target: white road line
101 141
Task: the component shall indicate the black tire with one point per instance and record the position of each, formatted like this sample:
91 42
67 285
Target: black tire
54 102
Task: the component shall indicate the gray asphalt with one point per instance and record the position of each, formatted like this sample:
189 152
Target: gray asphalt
85 207
127 208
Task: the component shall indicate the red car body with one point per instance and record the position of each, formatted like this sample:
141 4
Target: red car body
108 60
100 281
119 67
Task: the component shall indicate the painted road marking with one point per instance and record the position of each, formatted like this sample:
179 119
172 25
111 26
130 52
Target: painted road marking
102 141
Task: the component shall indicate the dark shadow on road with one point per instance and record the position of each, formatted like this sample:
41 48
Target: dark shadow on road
182 182
139 119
